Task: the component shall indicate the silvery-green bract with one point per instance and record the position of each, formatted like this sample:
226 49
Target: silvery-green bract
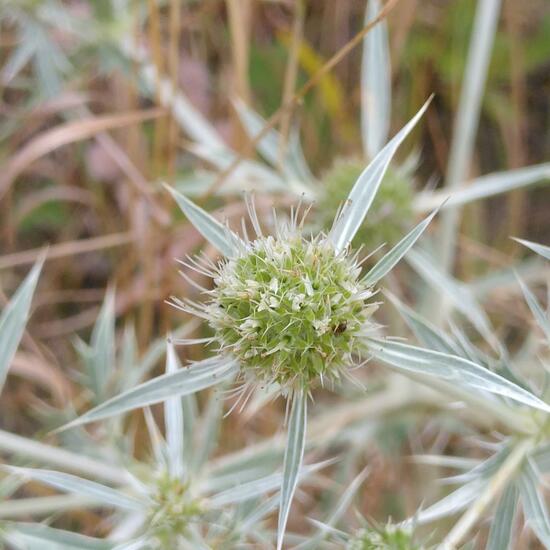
391 212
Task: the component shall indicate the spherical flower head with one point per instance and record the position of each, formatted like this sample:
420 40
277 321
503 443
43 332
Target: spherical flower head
390 214
389 537
291 309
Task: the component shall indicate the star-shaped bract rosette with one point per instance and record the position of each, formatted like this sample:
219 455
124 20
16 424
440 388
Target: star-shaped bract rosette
286 309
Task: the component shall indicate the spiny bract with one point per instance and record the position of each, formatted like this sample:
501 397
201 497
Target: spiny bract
292 310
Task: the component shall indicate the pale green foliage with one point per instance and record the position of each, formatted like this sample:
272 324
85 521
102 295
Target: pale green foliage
14 318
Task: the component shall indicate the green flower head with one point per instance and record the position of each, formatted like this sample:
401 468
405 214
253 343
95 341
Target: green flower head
388 537
291 309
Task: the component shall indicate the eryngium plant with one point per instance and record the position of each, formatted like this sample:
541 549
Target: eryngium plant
292 310
459 375
260 285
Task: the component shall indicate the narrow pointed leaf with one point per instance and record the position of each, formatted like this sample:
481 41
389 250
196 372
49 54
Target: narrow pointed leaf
209 430
540 249
259 487
36 536
339 510
14 318
390 260
500 536
294 454
258 514
451 504
456 292
173 417
534 507
211 229
536 309
188 380
483 187
80 486
452 369
375 84
101 359
427 334
363 192
294 164
136 544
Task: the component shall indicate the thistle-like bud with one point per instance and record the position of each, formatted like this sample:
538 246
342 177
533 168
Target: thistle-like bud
390 214
388 537
172 510
291 310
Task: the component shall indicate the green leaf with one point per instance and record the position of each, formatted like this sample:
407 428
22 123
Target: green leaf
540 249
427 334
209 429
294 454
258 487
14 318
101 359
500 536
339 510
363 192
483 187
198 376
294 165
257 514
456 292
452 369
534 507
136 544
536 309
36 536
389 260
375 84
173 418
80 486
450 504
211 229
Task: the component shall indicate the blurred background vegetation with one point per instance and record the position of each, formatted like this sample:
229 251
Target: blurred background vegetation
84 148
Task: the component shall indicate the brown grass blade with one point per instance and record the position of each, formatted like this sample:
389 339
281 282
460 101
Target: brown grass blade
65 134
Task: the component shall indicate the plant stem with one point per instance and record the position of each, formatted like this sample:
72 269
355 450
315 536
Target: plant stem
66 460
503 476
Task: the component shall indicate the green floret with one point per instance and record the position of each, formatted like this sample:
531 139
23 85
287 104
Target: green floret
291 310
172 511
390 214
390 537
